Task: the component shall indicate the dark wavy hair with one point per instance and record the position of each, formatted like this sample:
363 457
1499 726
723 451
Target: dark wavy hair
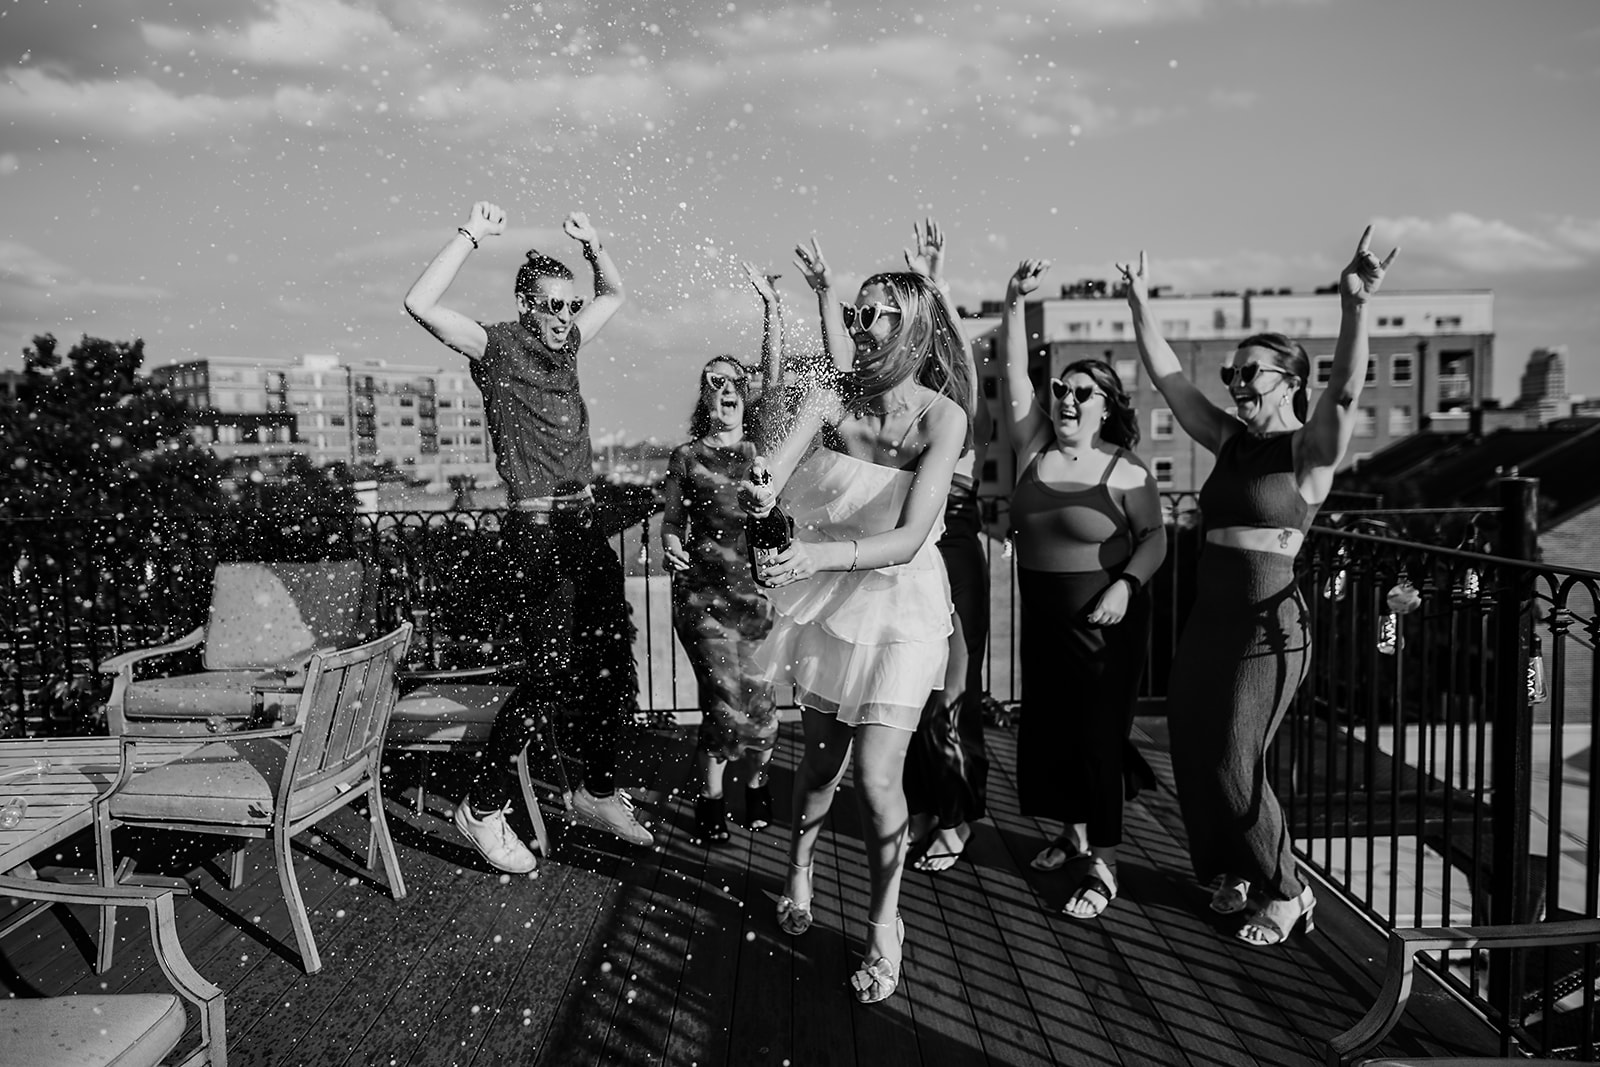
1288 356
700 421
925 345
539 266
1121 427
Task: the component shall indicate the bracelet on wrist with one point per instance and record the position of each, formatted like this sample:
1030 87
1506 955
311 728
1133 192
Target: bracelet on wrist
463 231
1134 584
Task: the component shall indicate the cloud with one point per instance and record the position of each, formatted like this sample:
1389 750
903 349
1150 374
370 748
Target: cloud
38 294
123 109
621 92
293 33
789 27
906 83
1466 243
1233 99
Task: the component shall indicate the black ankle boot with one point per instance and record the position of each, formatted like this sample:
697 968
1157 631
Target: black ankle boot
757 806
711 819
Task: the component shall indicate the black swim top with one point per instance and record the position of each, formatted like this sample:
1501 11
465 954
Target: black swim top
1253 484
1068 531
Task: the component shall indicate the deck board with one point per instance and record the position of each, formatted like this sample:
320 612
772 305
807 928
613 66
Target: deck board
671 956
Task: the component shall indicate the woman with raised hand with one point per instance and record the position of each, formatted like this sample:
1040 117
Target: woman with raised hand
863 605
1086 521
947 766
719 614
1247 644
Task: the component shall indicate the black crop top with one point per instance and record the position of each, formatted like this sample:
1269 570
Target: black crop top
1253 484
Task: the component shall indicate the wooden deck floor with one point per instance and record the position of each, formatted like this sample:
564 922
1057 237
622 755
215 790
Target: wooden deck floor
672 956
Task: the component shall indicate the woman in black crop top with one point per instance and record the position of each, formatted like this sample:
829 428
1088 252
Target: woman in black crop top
1246 647
1086 517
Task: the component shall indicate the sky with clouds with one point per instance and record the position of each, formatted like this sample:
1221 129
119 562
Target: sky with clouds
265 178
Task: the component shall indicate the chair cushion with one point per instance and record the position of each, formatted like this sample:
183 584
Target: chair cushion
129 1030
224 782
197 696
268 614
447 713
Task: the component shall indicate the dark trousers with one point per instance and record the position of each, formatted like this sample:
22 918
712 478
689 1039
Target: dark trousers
947 765
564 587
1244 652
1080 686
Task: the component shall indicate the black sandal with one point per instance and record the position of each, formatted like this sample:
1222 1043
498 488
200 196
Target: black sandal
1094 891
711 819
758 806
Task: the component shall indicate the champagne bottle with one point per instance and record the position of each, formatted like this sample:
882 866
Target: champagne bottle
766 535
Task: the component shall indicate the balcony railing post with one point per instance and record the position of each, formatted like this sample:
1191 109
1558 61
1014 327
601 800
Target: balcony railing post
1512 743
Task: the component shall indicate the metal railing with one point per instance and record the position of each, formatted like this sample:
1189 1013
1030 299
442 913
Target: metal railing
1437 767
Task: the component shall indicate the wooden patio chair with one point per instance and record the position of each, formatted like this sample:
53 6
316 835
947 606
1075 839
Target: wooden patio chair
1400 966
264 622
276 781
118 1029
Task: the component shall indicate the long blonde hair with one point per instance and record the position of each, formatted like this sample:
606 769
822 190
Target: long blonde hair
925 345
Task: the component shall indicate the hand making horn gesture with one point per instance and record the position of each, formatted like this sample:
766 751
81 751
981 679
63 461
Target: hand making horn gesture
1362 278
1137 279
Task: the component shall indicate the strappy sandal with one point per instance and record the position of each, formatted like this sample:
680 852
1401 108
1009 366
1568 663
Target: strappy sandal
1262 932
1230 894
1056 855
876 980
1096 891
794 918
757 806
711 819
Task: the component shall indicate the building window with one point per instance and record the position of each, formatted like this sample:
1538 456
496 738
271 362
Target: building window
1119 329
407 420
1400 369
1297 327
1324 365
335 420
1393 321
1161 466
1161 424
475 440
1399 420
1366 421
1447 322
1171 328
1077 329
1372 369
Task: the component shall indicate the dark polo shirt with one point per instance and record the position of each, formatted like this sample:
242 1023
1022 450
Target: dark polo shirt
538 421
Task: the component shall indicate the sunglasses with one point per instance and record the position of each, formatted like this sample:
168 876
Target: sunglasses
1247 373
866 316
556 305
716 381
1081 393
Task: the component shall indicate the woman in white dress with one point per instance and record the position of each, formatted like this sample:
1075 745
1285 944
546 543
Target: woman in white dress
862 600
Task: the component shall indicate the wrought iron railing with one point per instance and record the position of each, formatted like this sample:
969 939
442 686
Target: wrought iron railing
1437 767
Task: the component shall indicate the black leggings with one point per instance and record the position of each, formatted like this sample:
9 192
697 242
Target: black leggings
1244 652
564 587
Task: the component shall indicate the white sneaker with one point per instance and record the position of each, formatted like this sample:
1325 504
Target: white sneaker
492 837
614 815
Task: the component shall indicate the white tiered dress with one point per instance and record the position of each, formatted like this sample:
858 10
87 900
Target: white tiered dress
866 645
